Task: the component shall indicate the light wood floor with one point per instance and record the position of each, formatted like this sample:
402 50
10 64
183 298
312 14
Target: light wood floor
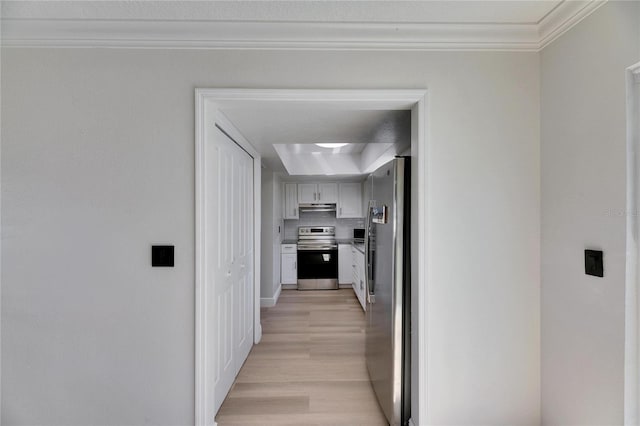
309 368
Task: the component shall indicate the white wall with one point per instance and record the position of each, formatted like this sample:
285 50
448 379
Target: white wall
278 230
271 215
583 204
266 238
97 164
483 219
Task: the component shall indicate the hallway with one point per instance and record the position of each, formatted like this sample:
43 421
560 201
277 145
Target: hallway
309 368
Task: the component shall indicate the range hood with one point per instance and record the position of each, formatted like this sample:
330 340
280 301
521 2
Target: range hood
313 207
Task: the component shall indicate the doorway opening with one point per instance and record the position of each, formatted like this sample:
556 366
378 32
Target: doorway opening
210 107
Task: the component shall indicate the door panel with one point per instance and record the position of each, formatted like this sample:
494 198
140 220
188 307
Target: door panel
350 204
230 201
290 201
307 193
328 192
245 261
289 273
345 264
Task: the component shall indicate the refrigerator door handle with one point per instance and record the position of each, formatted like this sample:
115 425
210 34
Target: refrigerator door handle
368 273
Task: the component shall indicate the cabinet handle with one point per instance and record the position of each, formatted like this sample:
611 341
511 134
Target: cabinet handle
295 264
314 196
319 196
295 212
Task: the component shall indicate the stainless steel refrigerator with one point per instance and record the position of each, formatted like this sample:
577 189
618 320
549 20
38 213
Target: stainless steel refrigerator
387 248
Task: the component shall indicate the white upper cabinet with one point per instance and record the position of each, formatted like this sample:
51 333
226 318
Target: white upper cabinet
350 200
346 196
291 201
328 192
307 193
317 193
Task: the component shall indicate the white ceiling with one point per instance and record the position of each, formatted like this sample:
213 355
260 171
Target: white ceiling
264 127
522 25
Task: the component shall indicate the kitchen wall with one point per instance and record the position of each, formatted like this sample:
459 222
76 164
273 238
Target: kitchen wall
98 164
583 205
344 227
272 232
267 264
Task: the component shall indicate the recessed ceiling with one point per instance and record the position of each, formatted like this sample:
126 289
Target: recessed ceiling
300 129
312 148
522 25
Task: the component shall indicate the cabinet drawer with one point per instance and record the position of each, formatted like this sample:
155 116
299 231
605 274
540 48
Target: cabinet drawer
289 248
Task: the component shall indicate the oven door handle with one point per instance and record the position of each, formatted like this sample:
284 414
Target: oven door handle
316 248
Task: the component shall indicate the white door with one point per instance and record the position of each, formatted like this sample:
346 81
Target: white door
328 192
231 260
291 201
350 203
307 193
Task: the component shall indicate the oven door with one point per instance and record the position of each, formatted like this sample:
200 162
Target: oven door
318 269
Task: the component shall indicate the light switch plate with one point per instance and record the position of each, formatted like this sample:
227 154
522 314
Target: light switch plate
162 256
593 264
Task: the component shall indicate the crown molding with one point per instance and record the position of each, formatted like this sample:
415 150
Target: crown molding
563 18
266 35
206 34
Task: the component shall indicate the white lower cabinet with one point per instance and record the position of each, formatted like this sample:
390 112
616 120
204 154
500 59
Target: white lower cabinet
359 286
289 264
345 264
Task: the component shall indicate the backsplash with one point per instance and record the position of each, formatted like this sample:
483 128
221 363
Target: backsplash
344 227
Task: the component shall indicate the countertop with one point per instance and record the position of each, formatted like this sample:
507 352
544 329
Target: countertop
358 246
344 241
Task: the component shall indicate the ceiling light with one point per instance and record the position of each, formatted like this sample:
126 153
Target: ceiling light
331 145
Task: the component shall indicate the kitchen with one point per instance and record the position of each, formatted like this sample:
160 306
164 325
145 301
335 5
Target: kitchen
332 214
316 281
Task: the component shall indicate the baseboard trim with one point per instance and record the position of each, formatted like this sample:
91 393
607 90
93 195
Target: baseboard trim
345 285
258 334
276 296
269 302
289 286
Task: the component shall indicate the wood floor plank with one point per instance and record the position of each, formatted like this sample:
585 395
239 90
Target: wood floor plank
309 368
